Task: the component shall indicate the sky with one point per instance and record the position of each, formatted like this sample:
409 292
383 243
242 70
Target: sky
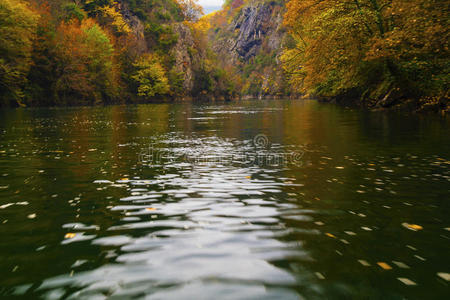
210 5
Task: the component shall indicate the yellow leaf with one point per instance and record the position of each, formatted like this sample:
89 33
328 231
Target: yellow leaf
150 208
384 265
413 227
70 235
330 235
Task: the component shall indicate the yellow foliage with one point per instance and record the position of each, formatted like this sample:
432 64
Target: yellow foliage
115 18
343 45
150 76
17 30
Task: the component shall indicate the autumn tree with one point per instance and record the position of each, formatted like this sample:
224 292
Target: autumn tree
150 77
371 49
17 31
85 63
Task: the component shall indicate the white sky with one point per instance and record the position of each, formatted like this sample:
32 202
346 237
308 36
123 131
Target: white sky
210 2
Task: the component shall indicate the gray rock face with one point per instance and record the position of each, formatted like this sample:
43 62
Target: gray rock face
258 24
136 26
253 25
183 58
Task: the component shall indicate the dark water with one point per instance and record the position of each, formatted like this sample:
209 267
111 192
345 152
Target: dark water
250 200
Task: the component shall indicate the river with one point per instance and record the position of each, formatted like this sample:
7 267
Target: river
243 200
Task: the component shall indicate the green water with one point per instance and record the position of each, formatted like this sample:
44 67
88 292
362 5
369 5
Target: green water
247 200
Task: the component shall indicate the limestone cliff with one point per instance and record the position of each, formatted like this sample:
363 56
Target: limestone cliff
250 37
183 56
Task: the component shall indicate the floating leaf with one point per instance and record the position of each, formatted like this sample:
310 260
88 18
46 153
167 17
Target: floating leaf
413 227
320 276
445 276
384 265
400 264
330 235
70 235
364 263
150 208
420 257
406 281
411 247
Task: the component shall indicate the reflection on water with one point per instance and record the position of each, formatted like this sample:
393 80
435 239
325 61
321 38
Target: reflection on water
187 201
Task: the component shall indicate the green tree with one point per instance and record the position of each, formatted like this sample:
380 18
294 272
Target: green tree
17 31
150 77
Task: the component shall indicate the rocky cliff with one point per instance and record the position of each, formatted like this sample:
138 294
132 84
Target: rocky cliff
250 36
136 26
149 32
184 60
254 26
239 56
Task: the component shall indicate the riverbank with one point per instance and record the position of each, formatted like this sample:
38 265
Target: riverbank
440 105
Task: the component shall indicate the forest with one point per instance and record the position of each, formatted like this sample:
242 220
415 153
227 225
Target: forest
374 53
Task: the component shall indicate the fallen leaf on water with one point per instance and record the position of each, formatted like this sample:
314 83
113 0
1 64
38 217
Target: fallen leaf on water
248 177
400 264
413 227
445 276
420 257
320 276
70 235
384 265
150 208
330 235
364 263
406 281
6 205
339 168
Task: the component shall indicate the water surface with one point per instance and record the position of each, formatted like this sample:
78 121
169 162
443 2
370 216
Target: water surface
247 200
